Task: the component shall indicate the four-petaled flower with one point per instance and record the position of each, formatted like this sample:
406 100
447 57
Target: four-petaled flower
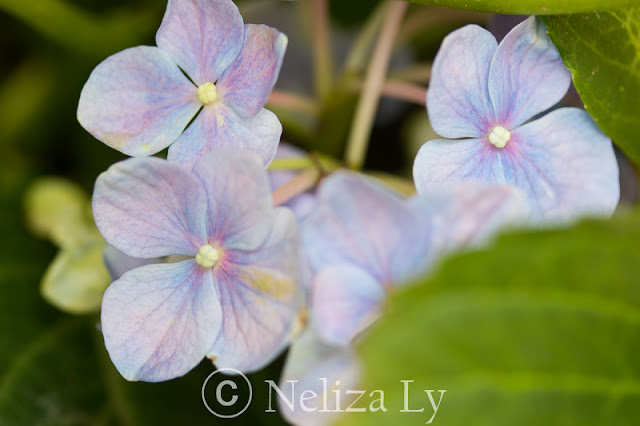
481 97
236 296
139 101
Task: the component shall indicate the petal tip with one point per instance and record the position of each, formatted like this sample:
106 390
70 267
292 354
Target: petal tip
281 43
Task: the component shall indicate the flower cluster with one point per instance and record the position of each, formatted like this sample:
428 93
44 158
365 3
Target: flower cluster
209 267
362 240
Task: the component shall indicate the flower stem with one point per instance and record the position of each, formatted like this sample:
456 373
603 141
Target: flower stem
372 89
399 90
405 91
323 66
296 186
290 164
361 47
292 102
322 162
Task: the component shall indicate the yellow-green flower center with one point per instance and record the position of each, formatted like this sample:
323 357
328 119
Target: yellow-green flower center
207 93
499 137
208 256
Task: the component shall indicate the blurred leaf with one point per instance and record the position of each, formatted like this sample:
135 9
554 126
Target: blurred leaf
530 7
64 377
45 369
602 50
54 369
542 329
52 382
23 95
59 209
78 30
23 314
77 278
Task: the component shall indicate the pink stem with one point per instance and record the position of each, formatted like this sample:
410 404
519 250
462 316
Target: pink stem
372 88
405 91
291 101
296 186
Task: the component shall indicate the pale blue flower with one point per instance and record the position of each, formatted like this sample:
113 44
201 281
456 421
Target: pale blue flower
361 240
237 295
482 96
139 101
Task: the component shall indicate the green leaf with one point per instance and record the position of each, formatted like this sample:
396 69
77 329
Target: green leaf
60 210
63 22
542 329
530 7
77 278
602 50
23 96
47 370
52 381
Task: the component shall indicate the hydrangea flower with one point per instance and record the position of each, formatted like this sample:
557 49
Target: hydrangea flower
482 96
139 101
361 240
236 296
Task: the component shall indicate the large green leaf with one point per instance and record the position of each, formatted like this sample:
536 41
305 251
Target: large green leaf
542 329
602 50
530 7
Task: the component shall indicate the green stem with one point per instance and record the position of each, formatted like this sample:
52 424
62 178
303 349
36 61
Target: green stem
360 50
325 163
292 102
372 89
323 66
290 164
